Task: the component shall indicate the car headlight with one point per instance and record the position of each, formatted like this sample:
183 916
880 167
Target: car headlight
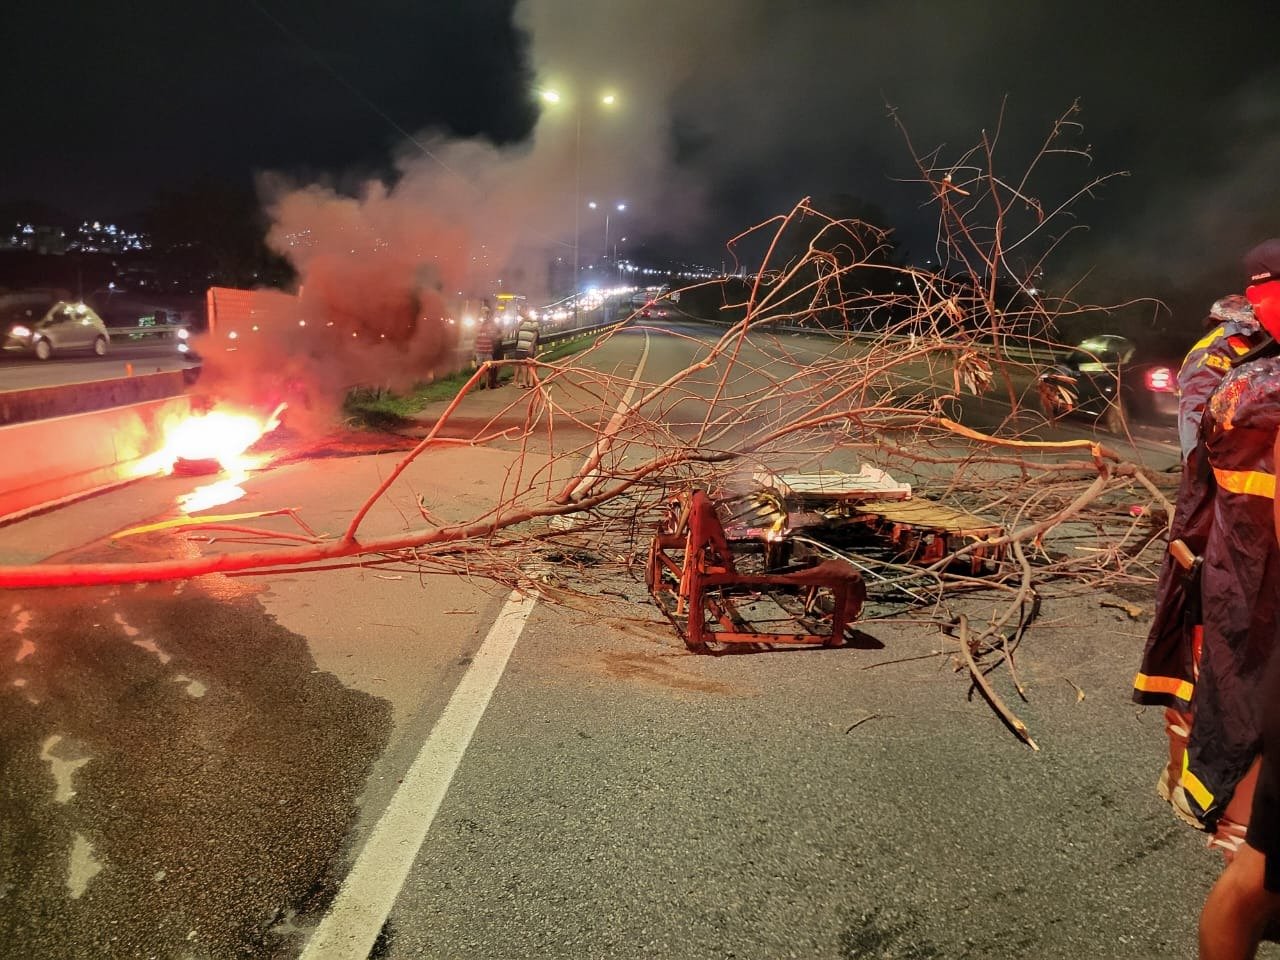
19 331
183 333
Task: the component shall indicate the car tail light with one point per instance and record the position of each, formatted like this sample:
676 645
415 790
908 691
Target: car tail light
1160 380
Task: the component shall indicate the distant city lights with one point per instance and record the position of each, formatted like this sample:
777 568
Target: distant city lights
89 237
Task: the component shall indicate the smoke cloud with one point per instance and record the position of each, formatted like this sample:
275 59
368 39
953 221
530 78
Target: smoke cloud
729 111
383 267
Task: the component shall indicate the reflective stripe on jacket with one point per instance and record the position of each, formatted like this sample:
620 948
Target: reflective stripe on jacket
1166 676
527 337
1206 363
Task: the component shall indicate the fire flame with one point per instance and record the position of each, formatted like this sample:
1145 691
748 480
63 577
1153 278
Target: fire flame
213 494
222 435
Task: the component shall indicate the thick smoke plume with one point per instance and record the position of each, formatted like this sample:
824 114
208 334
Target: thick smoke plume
728 112
387 270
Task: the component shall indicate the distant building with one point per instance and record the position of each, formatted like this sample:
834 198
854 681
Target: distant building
88 237
33 237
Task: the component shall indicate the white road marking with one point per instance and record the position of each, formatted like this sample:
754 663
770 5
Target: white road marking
605 441
152 648
351 926
82 867
26 648
62 769
194 687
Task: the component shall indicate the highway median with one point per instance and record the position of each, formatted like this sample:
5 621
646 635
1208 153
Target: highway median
379 408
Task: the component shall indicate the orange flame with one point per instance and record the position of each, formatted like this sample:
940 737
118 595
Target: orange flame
213 494
222 435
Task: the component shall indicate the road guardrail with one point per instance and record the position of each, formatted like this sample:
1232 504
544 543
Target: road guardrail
1043 354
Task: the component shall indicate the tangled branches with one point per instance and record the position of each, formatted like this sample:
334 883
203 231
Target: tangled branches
830 353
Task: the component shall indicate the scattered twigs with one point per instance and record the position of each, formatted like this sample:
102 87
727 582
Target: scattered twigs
857 723
900 358
226 522
993 698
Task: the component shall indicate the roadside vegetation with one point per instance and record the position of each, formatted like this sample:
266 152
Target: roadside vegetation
378 408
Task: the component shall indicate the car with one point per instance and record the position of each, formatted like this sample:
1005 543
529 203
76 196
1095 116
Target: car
653 310
67 325
1108 378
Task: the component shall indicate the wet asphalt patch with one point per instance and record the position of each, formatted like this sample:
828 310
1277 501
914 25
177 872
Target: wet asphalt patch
176 777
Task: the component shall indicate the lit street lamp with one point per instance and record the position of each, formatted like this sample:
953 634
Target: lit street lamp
606 100
620 207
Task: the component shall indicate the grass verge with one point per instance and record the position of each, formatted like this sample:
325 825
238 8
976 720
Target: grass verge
377 408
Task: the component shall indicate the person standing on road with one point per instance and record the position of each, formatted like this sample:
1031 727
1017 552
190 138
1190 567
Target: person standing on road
1245 901
1167 674
527 336
1170 664
1240 587
483 348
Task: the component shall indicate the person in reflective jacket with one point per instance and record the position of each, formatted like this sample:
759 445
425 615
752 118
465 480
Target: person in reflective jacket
1245 901
1240 596
1167 674
1240 585
528 334
1169 669
1233 331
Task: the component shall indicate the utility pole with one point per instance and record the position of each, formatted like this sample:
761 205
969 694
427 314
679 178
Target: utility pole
577 203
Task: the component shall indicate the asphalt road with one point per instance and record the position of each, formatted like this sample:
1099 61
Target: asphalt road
24 373
192 770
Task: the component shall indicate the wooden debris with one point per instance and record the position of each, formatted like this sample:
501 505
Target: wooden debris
1135 612
993 698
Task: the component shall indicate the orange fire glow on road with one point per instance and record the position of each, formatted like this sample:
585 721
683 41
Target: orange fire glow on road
223 435
213 494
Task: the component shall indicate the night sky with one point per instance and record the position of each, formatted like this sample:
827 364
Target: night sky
729 110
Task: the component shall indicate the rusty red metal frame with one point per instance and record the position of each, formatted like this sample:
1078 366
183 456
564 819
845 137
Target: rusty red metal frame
694 579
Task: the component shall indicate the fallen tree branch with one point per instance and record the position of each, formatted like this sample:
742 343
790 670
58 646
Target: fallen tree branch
993 698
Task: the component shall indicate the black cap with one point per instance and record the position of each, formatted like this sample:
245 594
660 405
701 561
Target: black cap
1262 263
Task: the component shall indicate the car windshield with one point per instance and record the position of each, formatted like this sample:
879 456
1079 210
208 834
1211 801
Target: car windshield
1099 352
1079 358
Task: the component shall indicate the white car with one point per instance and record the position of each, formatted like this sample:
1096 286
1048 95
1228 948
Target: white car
65 326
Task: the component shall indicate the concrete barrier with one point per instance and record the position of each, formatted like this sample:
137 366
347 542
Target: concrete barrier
46 462
39 403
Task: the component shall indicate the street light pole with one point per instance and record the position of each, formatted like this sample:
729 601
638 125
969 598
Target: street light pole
608 100
577 203
604 255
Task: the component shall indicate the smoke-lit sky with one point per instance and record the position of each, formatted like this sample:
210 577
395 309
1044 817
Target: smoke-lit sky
727 110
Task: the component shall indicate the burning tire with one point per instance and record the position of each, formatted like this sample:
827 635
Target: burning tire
183 467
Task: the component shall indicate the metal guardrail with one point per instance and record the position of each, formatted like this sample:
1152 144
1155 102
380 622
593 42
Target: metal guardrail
1011 352
579 332
158 332
463 355
562 335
